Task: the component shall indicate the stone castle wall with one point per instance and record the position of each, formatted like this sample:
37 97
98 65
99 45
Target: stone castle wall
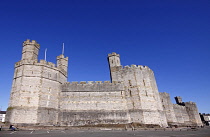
181 115
92 103
192 111
168 108
41 95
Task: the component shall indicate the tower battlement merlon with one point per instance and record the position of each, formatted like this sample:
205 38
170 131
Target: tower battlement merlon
113 54
62 57
32 42
114 59
127 67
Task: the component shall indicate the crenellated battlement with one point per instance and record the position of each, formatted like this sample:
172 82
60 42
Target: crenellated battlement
93 82
25 62
92 86
190 102
164 94
140 67
44 63
35 62
62 57
30 57
50 64
113 54
137 66
32 42
178 106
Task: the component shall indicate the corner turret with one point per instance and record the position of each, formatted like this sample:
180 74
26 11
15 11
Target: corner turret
62 62
114 66
30 50
114 59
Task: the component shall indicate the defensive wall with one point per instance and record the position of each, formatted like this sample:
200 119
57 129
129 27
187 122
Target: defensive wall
91 103
180 114
41 95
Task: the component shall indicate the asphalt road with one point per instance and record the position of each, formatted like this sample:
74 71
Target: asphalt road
201 132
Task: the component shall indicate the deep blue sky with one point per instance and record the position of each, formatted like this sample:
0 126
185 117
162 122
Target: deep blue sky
172 37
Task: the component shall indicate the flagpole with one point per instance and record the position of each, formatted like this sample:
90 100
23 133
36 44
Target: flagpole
45 55
63 49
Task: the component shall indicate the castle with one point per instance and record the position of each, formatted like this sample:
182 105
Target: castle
41 95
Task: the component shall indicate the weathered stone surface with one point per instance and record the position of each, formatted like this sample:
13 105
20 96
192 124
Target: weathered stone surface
41 95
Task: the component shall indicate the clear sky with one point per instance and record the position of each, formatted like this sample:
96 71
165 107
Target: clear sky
172 37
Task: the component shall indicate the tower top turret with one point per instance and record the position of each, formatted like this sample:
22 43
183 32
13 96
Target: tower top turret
30 50
113 54
32 42
114 59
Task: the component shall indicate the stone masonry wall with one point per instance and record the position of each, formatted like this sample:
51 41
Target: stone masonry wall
181 115
92 103
193 113
142 95
168 108
141 91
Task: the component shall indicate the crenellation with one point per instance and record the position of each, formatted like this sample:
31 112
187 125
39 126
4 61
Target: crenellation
82 82
113 54
133 66
106 81
126 67
17 64
41 95
50 64
33 42
139 66
93 82
90 82
43 62
98 82
190 102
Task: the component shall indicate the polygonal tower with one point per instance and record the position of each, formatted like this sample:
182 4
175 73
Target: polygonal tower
34 97
141 93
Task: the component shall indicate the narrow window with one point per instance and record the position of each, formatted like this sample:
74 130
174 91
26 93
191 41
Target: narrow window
144 82
130 92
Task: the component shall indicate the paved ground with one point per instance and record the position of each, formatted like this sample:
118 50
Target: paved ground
202 132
